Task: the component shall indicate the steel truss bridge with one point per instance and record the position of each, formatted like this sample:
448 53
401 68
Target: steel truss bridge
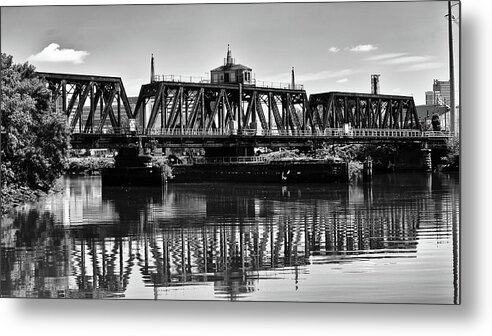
186 114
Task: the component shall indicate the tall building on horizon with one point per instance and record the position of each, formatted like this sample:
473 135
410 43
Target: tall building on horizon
442 92
438 102
429 98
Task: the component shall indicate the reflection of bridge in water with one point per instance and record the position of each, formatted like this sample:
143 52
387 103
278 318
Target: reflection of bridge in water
228 236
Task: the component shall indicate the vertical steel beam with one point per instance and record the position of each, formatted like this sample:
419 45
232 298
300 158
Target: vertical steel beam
345 110
118 100
400 110
380 112
276 113
64 96
89 124
202 110
124 98
215 111
240 106
80 107
163 108
181 107
155 110
249 110
261 115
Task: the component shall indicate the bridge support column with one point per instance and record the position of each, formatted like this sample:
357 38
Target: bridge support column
132 169
367 170
229 151
427 159
130 158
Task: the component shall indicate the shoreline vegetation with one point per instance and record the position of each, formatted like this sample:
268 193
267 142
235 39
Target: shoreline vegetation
88 165
35 136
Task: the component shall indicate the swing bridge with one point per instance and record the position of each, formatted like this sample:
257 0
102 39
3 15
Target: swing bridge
177 112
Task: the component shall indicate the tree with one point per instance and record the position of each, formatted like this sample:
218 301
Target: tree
452 158
436 123
34 136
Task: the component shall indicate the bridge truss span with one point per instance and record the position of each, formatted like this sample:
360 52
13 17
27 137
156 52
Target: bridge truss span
203 106
359 110
181 114
92 104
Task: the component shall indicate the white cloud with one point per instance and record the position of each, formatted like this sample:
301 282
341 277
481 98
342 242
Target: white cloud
408 59
422 66
383 57
334 49
363 48
343 80
53 53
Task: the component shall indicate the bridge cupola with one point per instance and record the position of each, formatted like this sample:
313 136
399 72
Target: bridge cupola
230 72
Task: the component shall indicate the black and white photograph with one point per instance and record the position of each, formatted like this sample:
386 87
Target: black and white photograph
296 152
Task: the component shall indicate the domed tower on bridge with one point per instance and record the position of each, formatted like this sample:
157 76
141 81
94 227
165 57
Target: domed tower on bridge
231 73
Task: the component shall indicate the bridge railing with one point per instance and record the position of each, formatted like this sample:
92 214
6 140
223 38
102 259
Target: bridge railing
230 159
181 79
329 132
200 79
189 132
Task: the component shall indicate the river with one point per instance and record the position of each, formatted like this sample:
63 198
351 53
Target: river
395 240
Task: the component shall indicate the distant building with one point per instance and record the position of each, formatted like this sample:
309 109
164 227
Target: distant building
231 72
430 98
438 102
442 92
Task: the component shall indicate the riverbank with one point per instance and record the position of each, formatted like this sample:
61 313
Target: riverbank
17 195
383 159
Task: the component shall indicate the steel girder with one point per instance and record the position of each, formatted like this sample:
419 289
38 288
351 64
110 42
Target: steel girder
80 96
192 106
359 110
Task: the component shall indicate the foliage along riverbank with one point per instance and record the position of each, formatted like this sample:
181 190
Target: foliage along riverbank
35 137
452 158
87 165
355 155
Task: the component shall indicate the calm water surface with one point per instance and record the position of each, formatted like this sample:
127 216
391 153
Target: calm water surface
394 240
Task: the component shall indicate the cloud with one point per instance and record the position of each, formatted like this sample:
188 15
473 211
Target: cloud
422 66
53 53
383 57
408 59
343 80
334 49
363 48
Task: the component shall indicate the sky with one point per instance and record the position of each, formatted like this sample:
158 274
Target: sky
332 46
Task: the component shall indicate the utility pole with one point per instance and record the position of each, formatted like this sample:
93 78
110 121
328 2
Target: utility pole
451 69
